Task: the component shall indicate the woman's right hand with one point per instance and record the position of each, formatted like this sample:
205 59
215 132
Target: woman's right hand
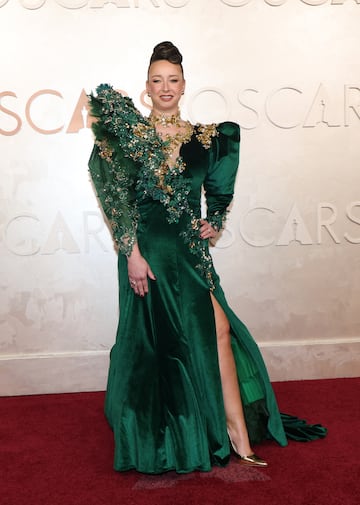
138 272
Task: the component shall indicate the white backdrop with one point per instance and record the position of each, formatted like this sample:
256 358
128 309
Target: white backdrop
287 71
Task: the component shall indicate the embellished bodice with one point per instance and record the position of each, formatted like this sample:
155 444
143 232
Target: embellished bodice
129 164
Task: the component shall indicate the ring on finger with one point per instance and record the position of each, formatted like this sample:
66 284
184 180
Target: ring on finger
133 283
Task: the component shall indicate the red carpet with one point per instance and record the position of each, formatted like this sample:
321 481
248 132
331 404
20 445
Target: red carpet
57 449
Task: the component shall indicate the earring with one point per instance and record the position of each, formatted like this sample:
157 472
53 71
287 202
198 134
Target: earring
149 95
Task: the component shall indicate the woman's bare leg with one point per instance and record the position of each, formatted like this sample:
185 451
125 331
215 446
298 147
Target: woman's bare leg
229 382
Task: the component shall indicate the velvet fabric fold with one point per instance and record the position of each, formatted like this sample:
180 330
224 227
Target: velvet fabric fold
164 397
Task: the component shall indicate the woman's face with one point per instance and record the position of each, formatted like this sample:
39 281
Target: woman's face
165 85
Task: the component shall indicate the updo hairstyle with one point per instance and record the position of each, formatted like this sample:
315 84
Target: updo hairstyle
167 51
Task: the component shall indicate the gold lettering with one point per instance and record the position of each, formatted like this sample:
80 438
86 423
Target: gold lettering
77 121
28 107
143 100
81 117
10 113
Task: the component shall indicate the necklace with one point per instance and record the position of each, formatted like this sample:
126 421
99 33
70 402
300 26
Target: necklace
164 120
180 133
171 140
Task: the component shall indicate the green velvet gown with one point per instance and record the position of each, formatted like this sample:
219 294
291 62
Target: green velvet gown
164 398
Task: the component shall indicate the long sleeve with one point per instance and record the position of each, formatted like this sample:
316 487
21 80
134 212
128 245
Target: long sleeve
126 156
113 177
220 179
113 168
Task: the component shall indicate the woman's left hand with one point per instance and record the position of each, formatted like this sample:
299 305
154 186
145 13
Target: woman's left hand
206 230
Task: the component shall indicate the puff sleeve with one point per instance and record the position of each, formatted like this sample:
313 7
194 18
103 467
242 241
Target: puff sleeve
220 179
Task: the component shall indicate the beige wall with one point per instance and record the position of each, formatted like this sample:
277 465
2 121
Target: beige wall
287 71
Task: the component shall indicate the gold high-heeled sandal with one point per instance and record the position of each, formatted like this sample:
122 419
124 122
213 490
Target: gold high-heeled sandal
251 460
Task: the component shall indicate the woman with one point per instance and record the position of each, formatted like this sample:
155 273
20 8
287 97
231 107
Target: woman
185 375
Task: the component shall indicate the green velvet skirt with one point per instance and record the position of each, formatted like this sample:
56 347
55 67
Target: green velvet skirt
164 397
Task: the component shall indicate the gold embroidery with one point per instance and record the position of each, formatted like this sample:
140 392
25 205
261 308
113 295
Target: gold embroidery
205 134
105 150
